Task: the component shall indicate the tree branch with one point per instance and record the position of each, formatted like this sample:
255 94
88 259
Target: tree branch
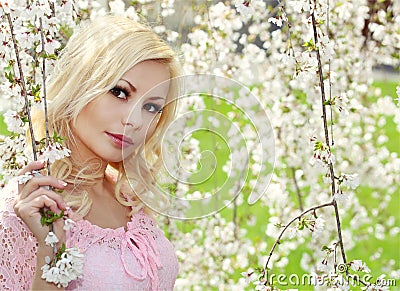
23 86
44 89
324 116
296 185
277 241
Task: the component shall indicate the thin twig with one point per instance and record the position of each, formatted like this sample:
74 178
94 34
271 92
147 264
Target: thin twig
296 185
44 90
277 241
335 256
324 116
51 227
23 86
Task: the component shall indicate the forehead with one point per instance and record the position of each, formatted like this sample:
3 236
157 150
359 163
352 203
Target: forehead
149 75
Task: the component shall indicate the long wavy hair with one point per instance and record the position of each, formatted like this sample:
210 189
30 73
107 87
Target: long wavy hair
94 59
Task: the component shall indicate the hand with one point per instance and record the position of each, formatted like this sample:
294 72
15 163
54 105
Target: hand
33 196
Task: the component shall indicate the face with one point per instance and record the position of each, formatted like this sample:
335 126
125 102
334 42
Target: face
113 125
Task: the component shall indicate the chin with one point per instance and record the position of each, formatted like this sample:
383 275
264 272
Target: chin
111 158
118 159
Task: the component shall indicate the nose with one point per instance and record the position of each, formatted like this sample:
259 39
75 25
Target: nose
133 117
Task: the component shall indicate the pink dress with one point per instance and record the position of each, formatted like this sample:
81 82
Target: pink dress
138 258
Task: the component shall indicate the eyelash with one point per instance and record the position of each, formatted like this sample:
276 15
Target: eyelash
117 90
158 108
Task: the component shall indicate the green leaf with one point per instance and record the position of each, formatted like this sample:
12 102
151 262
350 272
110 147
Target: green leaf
325 248
48 216
318 145
10 77
309 45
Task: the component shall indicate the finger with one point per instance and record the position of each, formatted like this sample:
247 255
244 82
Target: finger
28 209
36 165
51 194
38 181
46 201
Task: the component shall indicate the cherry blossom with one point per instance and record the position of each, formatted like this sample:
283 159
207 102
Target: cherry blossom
51 239
67 268
14 121
359 265
54 152
68 223
350 180
244 8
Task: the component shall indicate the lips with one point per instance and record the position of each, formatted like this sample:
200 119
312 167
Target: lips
120 139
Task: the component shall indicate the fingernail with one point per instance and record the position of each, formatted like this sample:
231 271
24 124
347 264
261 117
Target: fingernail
62 183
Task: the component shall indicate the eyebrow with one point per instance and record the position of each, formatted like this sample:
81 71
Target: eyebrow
133 88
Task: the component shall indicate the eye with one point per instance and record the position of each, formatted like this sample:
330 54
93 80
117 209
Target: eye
119 92
153 108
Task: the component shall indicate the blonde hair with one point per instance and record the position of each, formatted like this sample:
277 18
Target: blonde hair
94 59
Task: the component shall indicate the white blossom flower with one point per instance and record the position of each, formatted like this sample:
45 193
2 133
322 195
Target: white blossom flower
323 266
341 103
117 7
51 239
316 280
340 196
350 180
376 287
51 45
54 152
14 122
341 282
322 156
319 225
359 265
244 8
293 232
68 223
327 178
25 39
66 269
278 21
249 276
261 285
23 179
300 6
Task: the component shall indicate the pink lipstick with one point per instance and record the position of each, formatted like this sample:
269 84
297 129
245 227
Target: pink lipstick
120 140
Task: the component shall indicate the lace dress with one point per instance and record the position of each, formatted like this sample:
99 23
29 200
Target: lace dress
138 258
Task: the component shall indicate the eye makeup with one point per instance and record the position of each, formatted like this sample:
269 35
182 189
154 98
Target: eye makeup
120 92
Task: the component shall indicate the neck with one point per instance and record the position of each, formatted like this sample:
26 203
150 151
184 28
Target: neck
102 188
91 165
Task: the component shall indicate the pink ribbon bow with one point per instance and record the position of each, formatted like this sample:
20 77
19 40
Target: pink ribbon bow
142 245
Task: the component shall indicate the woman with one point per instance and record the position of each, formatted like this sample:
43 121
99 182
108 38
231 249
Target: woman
112 97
